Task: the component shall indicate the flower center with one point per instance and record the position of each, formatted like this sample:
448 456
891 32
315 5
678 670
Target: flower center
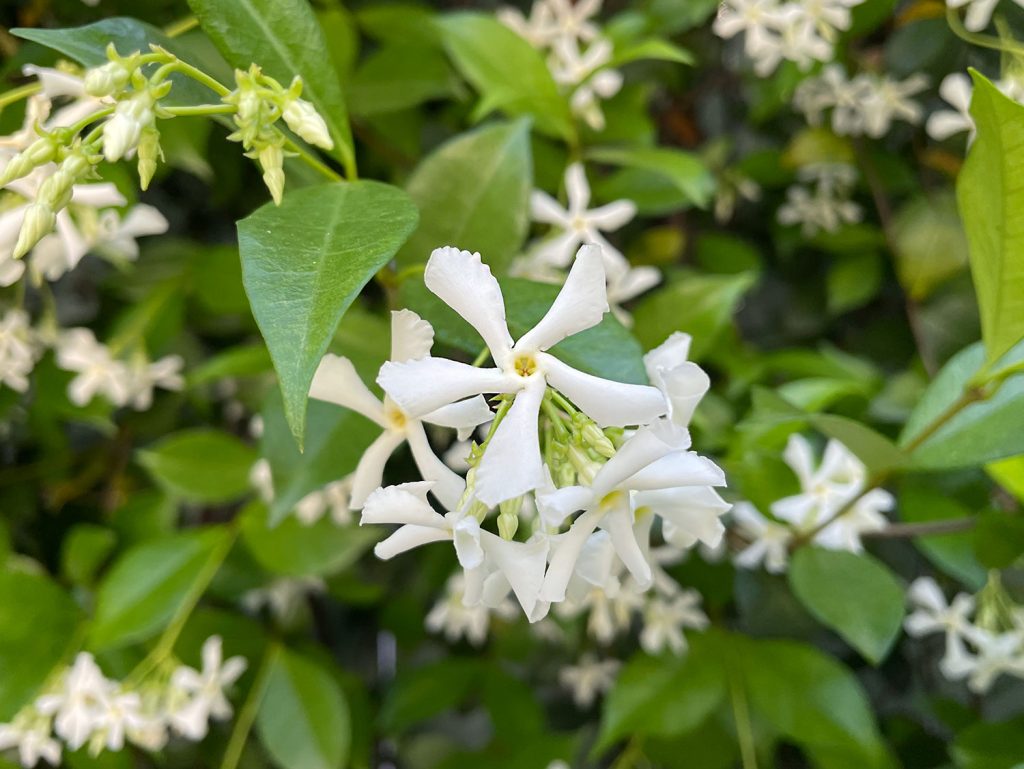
579 224
525 364
396 417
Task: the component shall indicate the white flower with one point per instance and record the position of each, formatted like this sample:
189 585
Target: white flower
304 120
19 349
768 540
626 282
511 464
998 653
122 131
78 704
335 497
492 565
585 72
144 376
683 382
336 381
283 597
823 209
654 458
956 89
866 104
577 224
979 12
61 84
664 621
554 21
99 373
29 734
589 678
890 100
204 690
261 478
451 616
933 615
774 31
121 716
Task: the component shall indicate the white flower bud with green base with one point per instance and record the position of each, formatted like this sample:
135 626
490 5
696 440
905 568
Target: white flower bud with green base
41 151
122 132
304 120
39 220
149 153
271 160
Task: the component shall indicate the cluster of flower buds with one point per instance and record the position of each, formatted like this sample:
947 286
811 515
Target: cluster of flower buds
260 101
83 708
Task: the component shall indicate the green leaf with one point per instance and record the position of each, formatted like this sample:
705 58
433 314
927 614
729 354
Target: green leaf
335 442
992 207
147 584
929 244
664 696
427 691
509 73
37 623
999 539
285 39
1009 473
88 46
655 48
296 549
920 502
303 719
700 305
607 350
985 745
851 593
489 215
977 433
305 261
878 453
200 465
399 77
84 550
684 170
853 281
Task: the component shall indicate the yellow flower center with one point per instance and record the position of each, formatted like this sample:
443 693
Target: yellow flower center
525 365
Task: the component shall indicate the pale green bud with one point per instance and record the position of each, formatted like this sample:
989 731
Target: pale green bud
149 153
122 132
42 150
271 160
511 506
585 467
106 80
565 475
508 525
478 510
38 222
304 120
597 440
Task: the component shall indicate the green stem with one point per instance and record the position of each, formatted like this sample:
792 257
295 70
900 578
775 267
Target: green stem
200 76
983 378
555 417
247 715
923 529
969 396
89 120
180 27
975 38
483 355
17 94
312 161
562 401
744 728
200 110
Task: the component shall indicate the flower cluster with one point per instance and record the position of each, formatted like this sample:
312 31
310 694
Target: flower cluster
576 224
826 206
578 54
978 650
864 105
83 708
774 31
588 463
833 509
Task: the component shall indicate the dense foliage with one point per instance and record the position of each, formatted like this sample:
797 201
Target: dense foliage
686 337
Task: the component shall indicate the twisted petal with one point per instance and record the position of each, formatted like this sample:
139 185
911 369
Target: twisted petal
681 468
577 189
407 538
370 471
800 458
557 505
580 304
462 416
101 195
607 402
619 525
448 485
522 564
689 514
411 336
405 504
463 282
648 445
545 209
567 551
425 385
512 465
613 215
336 381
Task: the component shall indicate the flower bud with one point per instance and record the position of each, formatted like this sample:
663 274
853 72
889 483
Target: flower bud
565 476
149 153
41 151
585 467
39 220
304 120
507 525
271 160
122 132
478 510
106 80
594 436
511 506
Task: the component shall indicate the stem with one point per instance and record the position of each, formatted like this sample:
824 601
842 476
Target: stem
481 357
89 120
924 529
17 94
969 396
197 74
199 110
562 402
180 27
744 728
975 38
247 715
312 161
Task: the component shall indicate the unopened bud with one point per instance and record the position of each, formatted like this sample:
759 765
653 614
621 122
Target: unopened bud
149 153
41 151
511 506
585 467
478 510
597 440
106 80
38 222
507 525
565 475
271 160
303 119
122 132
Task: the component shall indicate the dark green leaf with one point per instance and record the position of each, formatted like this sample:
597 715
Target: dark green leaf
685 171
200 465
305 261
399 77
427 691
920 502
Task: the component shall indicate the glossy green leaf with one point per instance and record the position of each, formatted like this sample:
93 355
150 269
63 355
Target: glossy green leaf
1009 473
929 243
84 551
685 171
851 593
921 502
607 349
474 193
146 585
992 207
200 465
335 442
37 623
509 73
987 745
664 696
878 453
399 77
700 305
285 39
655 48
973 434
88 46
303 719
305 261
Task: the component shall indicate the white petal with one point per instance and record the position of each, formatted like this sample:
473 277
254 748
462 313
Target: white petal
681 468
577 190
545 209
567 552
56 82
402 504
522 564
336 381
945 123
800 458
411 336
925 591
619 525
647 445
555 506
512 464
613 215
690 514
407 538
143 220
425 385
463 415
684 386
102 195
557 251
466 535
607 402
463 282
370 471
448 485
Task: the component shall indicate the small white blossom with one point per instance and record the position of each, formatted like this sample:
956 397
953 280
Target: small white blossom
335 498
98 372
933 615
19 349
664 621
78 705
864 105
768 540
204 690
123 130
29 734
283 598
979 12
589 678
956 90
452 617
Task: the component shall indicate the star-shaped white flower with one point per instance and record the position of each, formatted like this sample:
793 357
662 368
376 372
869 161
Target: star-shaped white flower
511 464
78 704
932 614
336 381
204 690
956 89
30 735
664 621
589 678
768 540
